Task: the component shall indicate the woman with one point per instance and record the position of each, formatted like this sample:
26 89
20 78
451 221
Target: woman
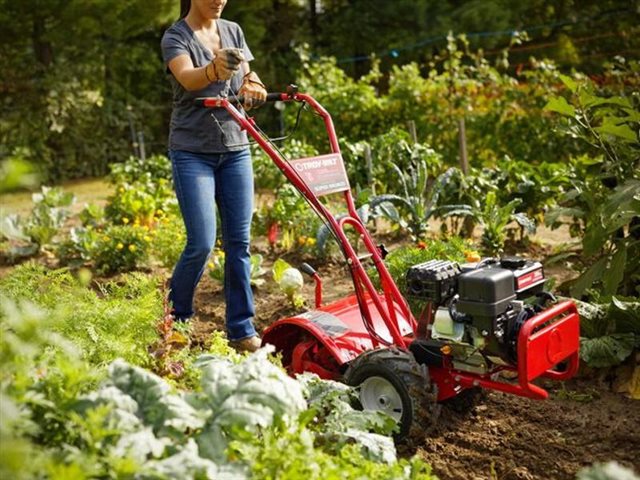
208 56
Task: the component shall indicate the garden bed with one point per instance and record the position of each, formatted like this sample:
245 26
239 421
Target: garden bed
505 436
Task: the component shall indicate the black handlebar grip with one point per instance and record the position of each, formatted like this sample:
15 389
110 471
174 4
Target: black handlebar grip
271 97
274 97
308 269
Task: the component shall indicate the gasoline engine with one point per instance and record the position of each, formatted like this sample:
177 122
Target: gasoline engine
475 310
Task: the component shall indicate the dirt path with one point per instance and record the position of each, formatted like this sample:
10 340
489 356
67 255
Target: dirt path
504 437
507 437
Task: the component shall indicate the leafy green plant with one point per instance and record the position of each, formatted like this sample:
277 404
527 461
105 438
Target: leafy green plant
355 105
79 247
419 199
216 268
603 203
134 423
39 229
395 147
41 370
609 124
143 191
290 281
132 204
16 172
538 186
493 218
610 332
105 320
54 352
92 215
234 423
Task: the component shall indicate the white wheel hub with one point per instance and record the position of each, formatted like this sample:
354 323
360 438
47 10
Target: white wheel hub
378 393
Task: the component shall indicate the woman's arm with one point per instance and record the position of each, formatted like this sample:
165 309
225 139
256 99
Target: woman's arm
190 77
225 64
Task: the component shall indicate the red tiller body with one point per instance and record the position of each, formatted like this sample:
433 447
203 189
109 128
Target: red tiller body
325 340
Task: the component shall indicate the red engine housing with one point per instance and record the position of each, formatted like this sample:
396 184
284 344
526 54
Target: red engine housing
325 340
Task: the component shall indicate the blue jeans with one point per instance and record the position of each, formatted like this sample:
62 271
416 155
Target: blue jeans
199 179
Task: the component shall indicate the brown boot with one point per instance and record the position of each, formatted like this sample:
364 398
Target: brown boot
249 344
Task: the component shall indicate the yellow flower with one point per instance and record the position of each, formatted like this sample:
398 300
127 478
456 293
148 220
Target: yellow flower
211 265
311 241
159 212
146 238
472 256
132 248
125 220
120 246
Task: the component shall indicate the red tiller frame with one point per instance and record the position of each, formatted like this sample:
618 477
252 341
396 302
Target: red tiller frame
318 289
544 341
362 282
549 338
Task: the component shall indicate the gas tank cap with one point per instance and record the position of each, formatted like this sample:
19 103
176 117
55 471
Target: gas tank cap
513 263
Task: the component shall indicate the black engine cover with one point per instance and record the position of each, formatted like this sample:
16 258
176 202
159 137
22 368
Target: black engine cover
485 292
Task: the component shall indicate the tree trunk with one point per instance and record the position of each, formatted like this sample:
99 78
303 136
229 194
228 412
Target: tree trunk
313 21
42 48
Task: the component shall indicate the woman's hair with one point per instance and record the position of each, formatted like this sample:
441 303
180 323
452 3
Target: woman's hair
185 5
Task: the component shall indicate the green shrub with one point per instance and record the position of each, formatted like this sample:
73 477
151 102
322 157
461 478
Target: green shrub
121 248
266 174
134 203
401 259
137 170
169 239
143 190
288 219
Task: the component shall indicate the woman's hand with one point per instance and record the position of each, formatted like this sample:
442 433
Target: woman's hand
253 91
225 64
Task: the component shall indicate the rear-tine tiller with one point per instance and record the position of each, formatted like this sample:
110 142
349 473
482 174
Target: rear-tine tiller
480 319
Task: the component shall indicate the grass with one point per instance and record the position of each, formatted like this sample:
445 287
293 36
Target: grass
88 190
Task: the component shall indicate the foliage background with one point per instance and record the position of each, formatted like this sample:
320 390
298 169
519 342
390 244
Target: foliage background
83 84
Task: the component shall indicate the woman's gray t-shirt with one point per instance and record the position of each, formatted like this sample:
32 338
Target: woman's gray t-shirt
192 128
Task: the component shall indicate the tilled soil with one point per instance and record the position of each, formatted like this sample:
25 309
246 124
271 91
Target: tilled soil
507 437
503 437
